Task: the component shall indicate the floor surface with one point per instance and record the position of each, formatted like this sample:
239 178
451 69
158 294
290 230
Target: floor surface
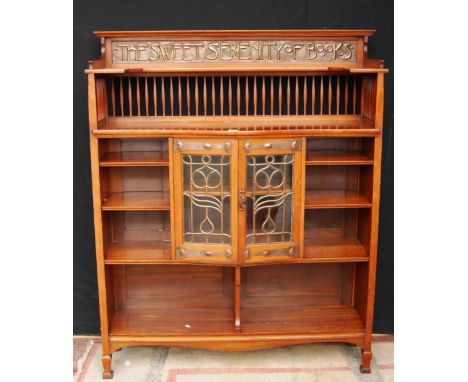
301 363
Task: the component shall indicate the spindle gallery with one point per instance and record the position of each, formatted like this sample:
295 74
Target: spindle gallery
233 51
236 188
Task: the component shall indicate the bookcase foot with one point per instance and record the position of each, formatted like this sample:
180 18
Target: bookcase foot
107 366
366 357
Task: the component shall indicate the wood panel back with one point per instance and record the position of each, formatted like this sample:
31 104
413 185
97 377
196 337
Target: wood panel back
292 285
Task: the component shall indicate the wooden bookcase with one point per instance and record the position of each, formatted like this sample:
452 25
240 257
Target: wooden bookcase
236 185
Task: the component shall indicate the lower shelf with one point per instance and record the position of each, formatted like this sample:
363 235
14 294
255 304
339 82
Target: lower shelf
170 319
305 319
180 320
171 300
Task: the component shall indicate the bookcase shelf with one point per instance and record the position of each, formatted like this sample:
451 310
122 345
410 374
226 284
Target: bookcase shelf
339 151
336 199
121 159
133 200
135 252
337 157
307 319
335 250
319 126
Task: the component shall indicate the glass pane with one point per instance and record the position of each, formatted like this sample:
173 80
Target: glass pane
269 198
207 199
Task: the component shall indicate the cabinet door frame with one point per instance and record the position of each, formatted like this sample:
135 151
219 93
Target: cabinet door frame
275 251
199 251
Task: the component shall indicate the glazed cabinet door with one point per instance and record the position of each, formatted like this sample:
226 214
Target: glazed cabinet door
205 200
270 199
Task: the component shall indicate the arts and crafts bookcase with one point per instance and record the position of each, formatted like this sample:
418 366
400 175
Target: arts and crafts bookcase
236 185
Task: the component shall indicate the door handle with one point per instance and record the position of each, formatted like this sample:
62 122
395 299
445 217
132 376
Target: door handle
242 200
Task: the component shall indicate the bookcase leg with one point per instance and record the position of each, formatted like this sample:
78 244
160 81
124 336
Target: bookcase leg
366 357
107 366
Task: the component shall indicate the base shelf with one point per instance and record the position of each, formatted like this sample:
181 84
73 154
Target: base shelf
307 319
173 319
181 320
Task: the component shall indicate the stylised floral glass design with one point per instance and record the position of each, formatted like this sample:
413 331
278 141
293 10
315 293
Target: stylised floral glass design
269 198
207 199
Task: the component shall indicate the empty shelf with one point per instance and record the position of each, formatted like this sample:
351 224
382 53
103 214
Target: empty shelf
121 159
127 201
336 199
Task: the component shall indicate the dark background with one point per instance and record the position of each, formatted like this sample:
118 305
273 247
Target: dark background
91 15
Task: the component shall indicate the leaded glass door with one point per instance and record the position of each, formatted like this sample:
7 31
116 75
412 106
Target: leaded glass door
205 199
270 193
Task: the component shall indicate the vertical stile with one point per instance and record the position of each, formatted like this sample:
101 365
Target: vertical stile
288 96
304 101
155 98
312 100
354 95
196 96
346 97
246 95
238 95
364 97
113 96
138 95
230 96
146 96
130 100
213 95
179 94
204 96
280 95
297 95
374 99
337 95
271 95
121 97
163 96
321 95
329 94
367 97
255 95
187 90
263 95
369 92
171 94
221 95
